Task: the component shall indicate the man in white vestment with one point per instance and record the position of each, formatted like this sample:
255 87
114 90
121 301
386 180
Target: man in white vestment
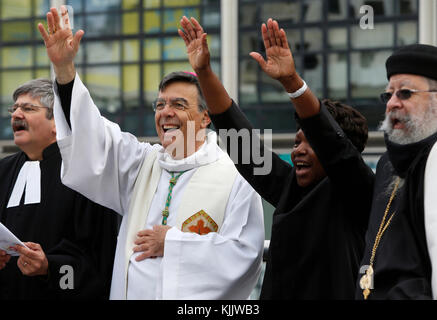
192 227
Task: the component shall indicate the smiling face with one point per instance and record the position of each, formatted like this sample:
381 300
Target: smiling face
308 167
413 119
33 132
181 130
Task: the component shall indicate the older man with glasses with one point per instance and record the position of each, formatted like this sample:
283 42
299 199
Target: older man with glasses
62 229
396 262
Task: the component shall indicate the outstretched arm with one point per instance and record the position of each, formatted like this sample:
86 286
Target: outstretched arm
62 46
279 66
215 94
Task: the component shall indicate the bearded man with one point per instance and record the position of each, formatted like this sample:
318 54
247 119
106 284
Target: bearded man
396 262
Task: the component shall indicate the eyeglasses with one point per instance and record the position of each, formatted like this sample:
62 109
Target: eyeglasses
403 94
176 103
26 108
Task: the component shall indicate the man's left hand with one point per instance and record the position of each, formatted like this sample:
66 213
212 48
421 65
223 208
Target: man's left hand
151 242
32 260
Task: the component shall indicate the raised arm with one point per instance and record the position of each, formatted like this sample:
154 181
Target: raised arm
279 66
62 46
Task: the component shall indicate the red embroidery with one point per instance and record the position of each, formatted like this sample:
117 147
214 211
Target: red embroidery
200 228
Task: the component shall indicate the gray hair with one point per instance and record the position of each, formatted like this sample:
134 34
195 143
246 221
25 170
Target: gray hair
38 88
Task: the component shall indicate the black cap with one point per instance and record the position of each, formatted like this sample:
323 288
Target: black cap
419 59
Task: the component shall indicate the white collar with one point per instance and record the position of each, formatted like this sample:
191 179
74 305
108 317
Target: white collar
208 153
29 178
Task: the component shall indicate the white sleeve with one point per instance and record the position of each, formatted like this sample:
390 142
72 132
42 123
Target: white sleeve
98 159
224 265
430 208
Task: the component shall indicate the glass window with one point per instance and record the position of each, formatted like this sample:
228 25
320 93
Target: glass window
131 86
313 39
152 21
172 17
337 76
248 15
313 72
103 24
41 7
152 77
380 7
152 49
16 57
104 86
130 4
180 3
43 73
407 7
174 48
11 80
103 51
41 56
337 38
288 10
151 3
15 9
407 33
16 31
248 81
312 10
337 10
5 128
102 5
131 23
368 74
381 36
131 50
76 4
176 66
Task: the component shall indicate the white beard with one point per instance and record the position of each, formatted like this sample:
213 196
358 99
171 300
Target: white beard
417 127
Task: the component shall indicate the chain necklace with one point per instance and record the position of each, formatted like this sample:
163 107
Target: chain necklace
366 279
173 180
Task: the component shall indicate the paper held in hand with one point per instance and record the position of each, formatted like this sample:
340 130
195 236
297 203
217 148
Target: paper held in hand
7 240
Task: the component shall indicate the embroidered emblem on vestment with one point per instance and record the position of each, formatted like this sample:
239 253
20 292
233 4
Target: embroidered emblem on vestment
200 223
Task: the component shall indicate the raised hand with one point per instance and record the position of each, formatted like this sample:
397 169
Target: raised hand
280 62
195 41
62 46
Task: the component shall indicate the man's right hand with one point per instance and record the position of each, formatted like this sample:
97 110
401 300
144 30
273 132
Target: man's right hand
4 258
61 45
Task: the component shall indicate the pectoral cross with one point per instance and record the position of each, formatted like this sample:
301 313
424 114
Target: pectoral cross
366 282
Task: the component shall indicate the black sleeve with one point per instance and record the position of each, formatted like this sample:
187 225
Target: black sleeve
262 168
89 249
343 163
65 92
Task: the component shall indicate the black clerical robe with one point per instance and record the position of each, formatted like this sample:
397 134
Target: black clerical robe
402 267
318 232
72 231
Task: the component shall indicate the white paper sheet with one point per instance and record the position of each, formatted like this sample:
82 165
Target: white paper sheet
7 240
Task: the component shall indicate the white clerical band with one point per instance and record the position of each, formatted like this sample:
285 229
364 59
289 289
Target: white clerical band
298 93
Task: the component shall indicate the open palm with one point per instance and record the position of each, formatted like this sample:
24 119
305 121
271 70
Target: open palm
280 61
60 43
196 43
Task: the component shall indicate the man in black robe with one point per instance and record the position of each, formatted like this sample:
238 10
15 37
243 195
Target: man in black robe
322 203
396 263
70 240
